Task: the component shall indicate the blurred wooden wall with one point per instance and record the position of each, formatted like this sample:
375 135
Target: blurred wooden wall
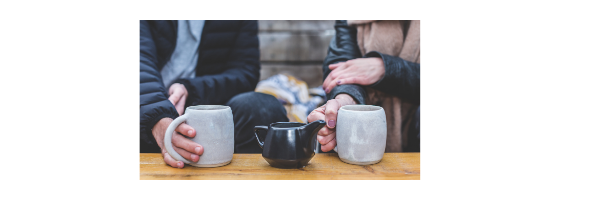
294 47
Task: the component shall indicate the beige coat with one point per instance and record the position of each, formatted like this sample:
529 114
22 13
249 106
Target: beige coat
395 38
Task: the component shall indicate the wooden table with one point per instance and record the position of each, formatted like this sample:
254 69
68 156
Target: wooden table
252 166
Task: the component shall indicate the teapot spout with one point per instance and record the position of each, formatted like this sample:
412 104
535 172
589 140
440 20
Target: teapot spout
312 128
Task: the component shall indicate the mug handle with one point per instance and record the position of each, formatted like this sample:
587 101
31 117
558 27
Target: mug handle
169 135
256 128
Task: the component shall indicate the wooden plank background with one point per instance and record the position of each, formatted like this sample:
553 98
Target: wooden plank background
294 47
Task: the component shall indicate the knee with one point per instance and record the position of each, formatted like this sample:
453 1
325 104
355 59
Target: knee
252 98
255 103
238 99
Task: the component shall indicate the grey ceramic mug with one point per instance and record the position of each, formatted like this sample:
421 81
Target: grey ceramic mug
361 133
214 131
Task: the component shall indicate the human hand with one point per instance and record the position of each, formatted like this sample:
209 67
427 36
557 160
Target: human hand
182 145
328 112
177 95
361 71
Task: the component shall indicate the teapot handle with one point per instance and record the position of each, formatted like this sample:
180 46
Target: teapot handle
256 128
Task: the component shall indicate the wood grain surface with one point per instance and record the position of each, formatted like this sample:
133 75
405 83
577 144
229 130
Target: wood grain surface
324 166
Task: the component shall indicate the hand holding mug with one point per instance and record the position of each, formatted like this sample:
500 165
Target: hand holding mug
216 138
185 147
328 112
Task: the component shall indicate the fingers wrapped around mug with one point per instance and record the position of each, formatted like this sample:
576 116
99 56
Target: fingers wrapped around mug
188 149
186 154
170 161
186 130
326 137
329 145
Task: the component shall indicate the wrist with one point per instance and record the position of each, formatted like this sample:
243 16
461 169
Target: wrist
184 84
345 99
160 127
381 66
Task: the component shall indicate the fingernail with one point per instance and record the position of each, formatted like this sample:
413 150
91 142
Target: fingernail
180 164
327 91
331 123
198 150
195 157
190 132
339 82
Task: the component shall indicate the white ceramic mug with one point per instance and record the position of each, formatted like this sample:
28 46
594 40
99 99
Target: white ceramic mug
214 131
361 134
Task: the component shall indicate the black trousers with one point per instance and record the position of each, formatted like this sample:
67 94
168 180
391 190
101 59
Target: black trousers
253 109
414 133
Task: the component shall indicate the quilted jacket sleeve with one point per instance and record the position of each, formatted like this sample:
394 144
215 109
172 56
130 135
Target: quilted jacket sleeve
343 47
241 74
154 104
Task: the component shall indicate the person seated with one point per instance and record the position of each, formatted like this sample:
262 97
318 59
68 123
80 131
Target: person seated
374 63
201 63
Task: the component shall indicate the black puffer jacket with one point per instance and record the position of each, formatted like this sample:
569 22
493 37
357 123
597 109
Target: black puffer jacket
402 78
228 64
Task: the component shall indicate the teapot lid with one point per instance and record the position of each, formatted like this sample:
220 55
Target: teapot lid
286 125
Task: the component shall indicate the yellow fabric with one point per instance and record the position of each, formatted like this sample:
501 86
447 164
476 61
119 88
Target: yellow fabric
293 93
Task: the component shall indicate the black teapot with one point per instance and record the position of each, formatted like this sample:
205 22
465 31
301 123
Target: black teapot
288 144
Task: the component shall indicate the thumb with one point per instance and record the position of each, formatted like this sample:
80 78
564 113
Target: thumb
331 110
170 161
176 96
181 105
